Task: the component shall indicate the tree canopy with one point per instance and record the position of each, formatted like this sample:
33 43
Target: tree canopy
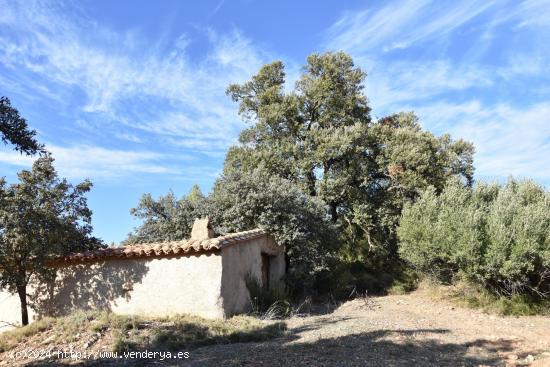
14 130
245 200
41 216
167 218
318 141
321 137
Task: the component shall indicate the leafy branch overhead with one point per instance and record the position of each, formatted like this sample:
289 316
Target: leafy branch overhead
14 130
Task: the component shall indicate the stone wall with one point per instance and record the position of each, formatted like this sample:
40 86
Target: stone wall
210 284
245 259
146 286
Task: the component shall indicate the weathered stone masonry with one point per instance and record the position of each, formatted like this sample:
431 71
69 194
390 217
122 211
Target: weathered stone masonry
203 276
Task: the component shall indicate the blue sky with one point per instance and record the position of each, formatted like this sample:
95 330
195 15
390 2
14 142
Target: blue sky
131 93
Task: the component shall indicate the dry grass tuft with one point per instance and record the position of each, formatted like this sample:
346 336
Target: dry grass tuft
137 332
466 294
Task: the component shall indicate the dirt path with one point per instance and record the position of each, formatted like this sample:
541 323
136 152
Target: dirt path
408 330
404 330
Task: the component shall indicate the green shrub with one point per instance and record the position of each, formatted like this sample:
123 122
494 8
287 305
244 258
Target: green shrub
498 236
405 280
269 303
241 201
469 294
348 279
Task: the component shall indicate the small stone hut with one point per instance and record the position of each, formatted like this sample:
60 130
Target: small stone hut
203 276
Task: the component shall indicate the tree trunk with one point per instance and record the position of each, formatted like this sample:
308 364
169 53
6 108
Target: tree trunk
22 291
311 183
333 213
287 263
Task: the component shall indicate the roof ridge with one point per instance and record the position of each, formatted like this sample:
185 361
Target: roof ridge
166 248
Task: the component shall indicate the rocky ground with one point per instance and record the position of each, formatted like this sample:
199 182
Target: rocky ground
406 330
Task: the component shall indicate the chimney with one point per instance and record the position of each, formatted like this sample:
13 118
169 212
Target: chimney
202 229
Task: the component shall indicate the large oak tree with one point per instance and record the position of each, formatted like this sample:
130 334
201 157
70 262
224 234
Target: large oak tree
319 142
320 135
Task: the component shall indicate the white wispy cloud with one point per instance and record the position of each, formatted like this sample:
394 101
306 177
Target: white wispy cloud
82 161
114 68
509 140
154 91
399 24
129 137
462 72
391 85
535 13
526 13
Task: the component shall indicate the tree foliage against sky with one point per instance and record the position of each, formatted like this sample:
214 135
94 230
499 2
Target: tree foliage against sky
14 129
321 137
167 218
257 199
313 162
41 216
241 201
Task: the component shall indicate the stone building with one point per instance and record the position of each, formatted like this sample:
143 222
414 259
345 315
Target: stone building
204 276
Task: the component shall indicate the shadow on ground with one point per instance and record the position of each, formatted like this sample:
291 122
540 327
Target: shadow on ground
377 348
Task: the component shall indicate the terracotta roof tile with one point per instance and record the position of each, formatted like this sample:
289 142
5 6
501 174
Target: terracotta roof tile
165 248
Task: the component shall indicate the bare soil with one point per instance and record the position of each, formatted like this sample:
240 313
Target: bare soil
404 330
407 330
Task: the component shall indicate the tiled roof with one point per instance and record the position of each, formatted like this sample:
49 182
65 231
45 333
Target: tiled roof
165 248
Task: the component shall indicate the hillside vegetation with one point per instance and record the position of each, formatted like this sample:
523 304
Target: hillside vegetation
314 168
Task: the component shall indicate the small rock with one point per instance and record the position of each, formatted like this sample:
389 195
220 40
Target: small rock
513 357
529 358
